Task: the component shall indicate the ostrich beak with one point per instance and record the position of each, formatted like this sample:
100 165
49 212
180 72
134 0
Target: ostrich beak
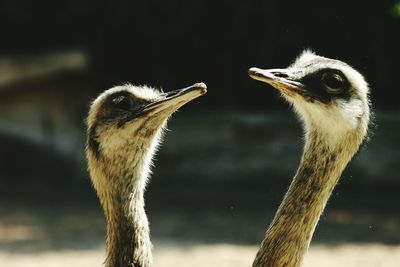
175 99
280 79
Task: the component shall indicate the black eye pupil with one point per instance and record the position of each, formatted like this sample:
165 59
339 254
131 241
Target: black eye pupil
333 80
121 102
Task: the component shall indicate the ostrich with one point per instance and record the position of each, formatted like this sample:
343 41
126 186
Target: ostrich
124 129
331 100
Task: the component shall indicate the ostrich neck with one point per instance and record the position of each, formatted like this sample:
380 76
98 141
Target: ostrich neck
289 235
119 177
128 242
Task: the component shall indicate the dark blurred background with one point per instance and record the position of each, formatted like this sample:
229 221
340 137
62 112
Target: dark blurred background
228 160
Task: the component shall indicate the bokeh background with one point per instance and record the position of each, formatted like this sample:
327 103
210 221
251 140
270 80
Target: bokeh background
228 157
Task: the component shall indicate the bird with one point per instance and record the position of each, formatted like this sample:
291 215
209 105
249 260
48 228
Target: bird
331 99
125 126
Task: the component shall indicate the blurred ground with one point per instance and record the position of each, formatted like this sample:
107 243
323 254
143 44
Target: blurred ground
217 182
223 255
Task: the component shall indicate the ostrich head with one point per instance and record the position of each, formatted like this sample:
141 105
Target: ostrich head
125 124
330 97
124 128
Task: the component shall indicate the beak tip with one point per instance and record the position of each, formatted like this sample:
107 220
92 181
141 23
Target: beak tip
202 87
253 69
253 72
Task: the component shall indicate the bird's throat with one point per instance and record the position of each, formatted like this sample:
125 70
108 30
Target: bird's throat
289 235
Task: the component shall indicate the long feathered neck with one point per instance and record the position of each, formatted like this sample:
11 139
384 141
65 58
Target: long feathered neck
128 242
128 234
119 178
289 235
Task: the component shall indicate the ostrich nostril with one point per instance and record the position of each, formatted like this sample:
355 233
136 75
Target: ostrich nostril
280 74
171 93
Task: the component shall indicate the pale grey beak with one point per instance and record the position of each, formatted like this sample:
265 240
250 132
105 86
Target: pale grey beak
175 99
280 79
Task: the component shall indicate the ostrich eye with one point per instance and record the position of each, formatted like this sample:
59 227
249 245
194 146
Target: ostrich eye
333 82
122 102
